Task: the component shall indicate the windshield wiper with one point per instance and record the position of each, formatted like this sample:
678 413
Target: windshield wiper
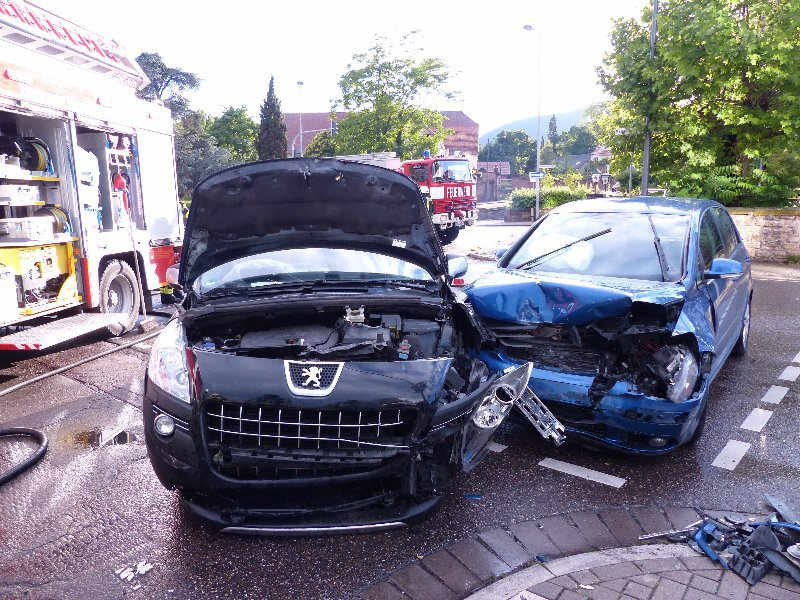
533 261
662 259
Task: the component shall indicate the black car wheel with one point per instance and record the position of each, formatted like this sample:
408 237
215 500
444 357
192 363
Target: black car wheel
119 293
744 336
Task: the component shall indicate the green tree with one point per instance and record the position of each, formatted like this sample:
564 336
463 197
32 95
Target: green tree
271 142
552 130
323 144
516 147
721 95
577 140
167 84
383 89
196 152
236 132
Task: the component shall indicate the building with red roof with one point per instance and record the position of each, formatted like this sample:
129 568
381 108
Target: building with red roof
463 139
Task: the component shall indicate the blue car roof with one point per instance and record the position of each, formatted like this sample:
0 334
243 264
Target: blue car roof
638 204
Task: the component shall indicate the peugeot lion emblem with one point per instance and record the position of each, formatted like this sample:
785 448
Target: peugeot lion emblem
312 376
307 378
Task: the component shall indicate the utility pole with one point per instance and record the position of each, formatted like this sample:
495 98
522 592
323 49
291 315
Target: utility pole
646 152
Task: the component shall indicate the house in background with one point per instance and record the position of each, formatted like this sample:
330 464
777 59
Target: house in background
464 138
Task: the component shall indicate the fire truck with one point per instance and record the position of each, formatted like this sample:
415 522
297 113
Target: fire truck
449 185
446 182
89 212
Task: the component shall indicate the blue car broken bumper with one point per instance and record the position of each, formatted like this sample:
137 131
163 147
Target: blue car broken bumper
623 418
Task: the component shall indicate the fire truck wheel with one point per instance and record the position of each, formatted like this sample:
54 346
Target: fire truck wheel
448 236
119 293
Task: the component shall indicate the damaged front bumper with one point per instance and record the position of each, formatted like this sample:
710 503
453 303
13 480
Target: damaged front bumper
623 418
309 491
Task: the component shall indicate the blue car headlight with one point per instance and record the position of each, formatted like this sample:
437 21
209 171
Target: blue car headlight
684 376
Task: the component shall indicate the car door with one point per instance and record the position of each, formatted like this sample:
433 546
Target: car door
735 250
720 292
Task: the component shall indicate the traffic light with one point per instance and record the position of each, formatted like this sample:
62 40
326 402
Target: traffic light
334 127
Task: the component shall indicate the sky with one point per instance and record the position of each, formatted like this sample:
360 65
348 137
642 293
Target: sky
235 45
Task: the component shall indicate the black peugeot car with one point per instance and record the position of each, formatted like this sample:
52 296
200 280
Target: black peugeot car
321 375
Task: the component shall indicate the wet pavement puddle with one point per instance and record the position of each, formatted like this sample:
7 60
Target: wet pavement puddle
97 437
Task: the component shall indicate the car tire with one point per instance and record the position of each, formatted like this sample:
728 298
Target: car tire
119 292
740 349
448 236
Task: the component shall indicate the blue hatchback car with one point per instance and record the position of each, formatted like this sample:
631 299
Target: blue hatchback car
628 309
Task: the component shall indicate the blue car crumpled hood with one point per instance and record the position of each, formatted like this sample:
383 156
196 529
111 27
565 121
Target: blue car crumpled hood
538 297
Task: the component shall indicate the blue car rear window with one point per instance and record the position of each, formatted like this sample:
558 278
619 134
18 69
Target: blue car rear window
628 250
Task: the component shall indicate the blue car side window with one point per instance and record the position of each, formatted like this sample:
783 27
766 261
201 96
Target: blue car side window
711 245
729 238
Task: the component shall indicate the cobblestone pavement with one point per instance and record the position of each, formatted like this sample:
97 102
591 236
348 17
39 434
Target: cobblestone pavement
672 578
550 558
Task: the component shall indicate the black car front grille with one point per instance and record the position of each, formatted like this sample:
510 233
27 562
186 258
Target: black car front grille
260 427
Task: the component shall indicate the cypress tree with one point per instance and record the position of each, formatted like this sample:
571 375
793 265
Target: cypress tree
271 141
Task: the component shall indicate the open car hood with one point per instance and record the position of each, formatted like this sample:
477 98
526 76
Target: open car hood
307 202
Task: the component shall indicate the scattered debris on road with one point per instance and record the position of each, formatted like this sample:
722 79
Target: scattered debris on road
751 547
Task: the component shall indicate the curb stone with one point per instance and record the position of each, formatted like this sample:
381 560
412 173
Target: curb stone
548 546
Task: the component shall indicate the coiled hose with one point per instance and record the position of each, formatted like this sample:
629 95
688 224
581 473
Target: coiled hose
39 436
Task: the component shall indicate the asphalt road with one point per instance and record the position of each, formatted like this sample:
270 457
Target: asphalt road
93 508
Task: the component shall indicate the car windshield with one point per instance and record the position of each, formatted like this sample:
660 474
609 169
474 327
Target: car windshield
451 170
627 250
307 264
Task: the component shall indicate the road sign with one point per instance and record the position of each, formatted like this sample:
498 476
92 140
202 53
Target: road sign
547 166
533 176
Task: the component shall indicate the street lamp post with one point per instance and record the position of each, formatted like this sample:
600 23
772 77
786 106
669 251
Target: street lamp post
646 149
300 117
539 112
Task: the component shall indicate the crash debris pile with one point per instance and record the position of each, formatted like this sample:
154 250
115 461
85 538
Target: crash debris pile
751 548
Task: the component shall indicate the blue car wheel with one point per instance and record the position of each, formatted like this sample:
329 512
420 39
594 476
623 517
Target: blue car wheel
744 337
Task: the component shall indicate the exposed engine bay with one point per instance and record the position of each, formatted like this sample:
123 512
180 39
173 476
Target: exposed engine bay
346 333
635 348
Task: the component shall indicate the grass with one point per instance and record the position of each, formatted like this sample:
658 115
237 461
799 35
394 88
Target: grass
793 259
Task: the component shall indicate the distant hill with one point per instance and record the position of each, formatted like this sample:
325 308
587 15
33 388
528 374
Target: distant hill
565 121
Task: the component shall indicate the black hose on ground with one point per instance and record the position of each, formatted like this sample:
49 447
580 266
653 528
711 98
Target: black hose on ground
39 436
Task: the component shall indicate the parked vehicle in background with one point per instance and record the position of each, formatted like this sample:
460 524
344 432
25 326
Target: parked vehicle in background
90 214
628 309
448 184
340 385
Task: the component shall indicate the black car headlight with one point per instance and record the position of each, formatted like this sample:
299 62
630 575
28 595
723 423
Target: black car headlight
498 400
167 367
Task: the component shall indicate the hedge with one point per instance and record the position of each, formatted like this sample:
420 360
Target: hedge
525 198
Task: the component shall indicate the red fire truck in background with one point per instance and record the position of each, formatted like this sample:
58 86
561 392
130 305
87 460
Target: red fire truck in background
446 182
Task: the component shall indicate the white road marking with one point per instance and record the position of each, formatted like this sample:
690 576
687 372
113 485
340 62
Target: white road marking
790 373
774 394
731 454
756 420
796 359
582 472
495 447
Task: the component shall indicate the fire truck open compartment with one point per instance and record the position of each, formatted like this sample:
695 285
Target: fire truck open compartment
37 264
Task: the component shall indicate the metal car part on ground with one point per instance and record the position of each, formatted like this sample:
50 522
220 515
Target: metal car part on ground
750 548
